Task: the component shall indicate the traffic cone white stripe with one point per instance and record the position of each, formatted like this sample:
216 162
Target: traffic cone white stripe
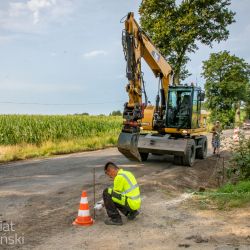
84 200
83 213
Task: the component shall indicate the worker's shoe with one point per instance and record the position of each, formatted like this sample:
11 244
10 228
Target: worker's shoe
117 222
132 215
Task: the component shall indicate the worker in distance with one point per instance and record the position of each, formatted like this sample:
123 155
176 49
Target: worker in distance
124 196
216 131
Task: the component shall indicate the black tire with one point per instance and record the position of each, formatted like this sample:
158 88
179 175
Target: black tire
178 160
189 157
144 156
201 153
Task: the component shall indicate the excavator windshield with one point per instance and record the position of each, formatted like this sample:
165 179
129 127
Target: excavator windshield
182 107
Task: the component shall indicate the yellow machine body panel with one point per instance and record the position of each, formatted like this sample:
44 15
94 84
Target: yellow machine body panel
147 120
197 131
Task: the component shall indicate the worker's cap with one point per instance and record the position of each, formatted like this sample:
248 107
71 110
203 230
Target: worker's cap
217 121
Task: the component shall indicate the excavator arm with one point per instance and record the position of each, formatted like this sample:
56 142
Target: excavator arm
137 45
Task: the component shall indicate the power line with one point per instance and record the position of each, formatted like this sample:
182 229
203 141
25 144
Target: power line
59 104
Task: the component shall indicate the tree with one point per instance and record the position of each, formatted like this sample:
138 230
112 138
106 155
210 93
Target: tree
227 82
116 113
85 113
176 29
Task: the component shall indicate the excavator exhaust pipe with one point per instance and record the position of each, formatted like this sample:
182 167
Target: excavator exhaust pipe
128 145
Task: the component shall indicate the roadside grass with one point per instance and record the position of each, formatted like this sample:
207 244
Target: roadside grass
226 197
49 148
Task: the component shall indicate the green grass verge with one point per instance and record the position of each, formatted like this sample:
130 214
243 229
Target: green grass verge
227 197
49 148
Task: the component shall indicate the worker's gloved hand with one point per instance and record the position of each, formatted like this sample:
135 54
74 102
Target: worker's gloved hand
99 205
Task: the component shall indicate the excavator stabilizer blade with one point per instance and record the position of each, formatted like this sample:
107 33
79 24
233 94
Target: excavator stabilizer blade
127 145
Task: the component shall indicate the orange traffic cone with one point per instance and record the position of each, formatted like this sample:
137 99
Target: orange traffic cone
83 218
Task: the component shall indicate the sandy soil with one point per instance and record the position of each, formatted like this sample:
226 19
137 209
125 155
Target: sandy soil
41 198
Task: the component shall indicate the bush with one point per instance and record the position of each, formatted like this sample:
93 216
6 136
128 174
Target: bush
240 162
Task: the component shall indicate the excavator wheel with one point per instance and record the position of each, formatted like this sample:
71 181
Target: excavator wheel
201 153
189 157
144 156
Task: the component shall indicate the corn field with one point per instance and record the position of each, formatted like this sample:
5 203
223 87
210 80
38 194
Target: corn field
36 129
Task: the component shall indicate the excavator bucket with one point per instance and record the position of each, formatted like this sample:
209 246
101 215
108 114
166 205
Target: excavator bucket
127 145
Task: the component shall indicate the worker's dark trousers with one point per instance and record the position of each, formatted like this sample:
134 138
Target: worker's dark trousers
112 207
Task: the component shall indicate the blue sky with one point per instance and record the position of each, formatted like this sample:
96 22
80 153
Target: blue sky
68 52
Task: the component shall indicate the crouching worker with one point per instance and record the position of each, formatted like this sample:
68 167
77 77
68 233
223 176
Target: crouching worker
123 196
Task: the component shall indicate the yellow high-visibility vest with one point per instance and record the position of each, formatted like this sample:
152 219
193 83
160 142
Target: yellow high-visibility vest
126 188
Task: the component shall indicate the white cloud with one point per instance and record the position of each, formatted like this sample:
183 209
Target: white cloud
32 16
36 6
95 53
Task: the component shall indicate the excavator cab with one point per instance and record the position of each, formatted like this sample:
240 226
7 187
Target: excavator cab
184 107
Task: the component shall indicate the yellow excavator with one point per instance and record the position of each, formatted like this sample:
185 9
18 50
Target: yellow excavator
174 125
